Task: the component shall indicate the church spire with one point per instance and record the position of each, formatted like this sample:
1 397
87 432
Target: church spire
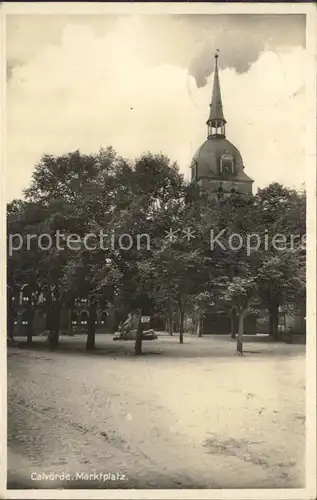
216 121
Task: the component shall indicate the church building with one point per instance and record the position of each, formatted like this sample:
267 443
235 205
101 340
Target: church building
217 166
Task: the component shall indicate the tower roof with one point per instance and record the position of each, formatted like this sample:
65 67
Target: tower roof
208 156
216 110
218 160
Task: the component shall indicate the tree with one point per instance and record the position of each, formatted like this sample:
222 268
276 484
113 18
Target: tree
280 282
174 273
149 202
240 292
281 215
152 194
201 303
235 273
68 194
28 262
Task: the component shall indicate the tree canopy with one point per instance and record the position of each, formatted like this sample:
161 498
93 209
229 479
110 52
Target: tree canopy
154 239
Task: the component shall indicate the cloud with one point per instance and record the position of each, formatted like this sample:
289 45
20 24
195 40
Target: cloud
184 40
241 39
122 87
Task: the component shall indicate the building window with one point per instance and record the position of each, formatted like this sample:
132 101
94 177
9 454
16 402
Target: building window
226 165
103 318
194 170
84 318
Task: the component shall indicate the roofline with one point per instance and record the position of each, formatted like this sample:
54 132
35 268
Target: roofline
239 179
223 120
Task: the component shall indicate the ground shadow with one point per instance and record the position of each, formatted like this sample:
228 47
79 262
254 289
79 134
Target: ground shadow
164 347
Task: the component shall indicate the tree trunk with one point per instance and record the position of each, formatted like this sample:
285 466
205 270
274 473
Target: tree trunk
176 323
181 327
273 321
240 331
302 312
194 323
138 343
53 338
10 320
29 336
233 323
270 324
54 324
170 328
170 325
70 332
10 327
138 339
276 333
199 325
91 333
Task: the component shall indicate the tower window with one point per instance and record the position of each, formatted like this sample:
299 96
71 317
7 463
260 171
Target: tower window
226 165
194 170
216 128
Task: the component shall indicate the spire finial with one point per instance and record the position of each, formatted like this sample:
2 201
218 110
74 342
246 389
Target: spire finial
216 121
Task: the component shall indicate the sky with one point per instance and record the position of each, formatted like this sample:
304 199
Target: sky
144 83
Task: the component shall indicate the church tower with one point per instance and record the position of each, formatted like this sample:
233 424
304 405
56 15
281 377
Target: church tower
217 167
